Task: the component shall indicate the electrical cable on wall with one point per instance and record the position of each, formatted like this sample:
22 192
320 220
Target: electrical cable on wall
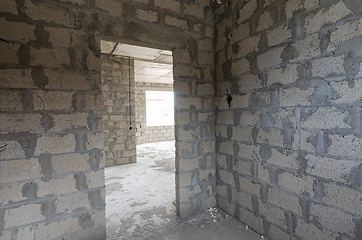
129 93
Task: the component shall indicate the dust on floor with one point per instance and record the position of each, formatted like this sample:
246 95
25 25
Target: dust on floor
140 199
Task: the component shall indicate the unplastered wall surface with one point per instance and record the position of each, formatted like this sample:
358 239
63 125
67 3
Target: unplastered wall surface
144 133
51 174
118 92
288 76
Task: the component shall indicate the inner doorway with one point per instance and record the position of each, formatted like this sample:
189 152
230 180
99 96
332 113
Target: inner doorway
139 153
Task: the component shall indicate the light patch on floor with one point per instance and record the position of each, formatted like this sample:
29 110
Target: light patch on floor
140 198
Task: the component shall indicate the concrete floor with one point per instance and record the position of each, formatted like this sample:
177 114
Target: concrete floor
140 198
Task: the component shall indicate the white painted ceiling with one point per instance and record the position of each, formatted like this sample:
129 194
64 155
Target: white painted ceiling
150 64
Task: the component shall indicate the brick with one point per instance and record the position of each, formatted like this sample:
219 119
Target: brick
343 197
221 103
23 233
95 141
249 219
205 58
265 21
249 82
205 89
17 31
66 80
344 33
305 143
186 71
205 44
9 6
336 119
276 233
294 183
194 10
147 16
294 5
70 163
93 102
57 229
111 6
308 47
240 32
57 186
242 134
184 179
243 167
64 37
207 146
16 170
64 122
270 58
309 231
288 116
247 118
273 137
197 28
16 78
314 22
249 186
240 101
279 35
225 117
221 161
337 170
207 175
185 194
222 190
22 215
343 93
286 75
273 214
13 150
248 46
284 200
347 146
240 67
220 43
328 67
242 198
333 219
93 63
227 147
187 102
54 100
22 122
181 56
176 22
71 203
263 174
55 144
174 6
9 53
247 11
52 58
49 14
209 31
10 100
185 164
284 159
145 2
296 96
11 193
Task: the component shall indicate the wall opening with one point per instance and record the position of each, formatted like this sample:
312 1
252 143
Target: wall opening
139 146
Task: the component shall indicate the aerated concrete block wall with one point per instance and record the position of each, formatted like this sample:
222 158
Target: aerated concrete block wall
119 112
149 134
51 174
288 75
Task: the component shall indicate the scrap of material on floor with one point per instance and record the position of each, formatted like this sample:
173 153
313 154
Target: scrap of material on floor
140 204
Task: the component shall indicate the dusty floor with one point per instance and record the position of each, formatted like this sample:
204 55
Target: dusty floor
140 205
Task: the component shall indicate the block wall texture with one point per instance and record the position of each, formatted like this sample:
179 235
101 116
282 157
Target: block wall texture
144 133
119 112
288 125
51 179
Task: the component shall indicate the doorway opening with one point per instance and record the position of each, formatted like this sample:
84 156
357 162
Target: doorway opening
138 123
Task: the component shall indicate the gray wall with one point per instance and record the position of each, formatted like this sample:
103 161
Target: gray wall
51 174
288 76
149 134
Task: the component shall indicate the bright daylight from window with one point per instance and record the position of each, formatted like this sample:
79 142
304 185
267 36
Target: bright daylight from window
159 108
